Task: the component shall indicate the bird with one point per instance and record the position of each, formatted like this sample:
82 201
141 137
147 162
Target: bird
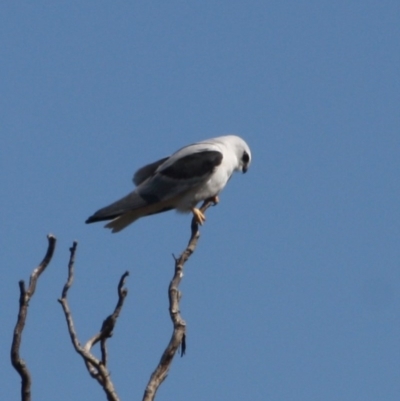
194 173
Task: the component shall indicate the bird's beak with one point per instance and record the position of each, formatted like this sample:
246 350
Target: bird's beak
244 169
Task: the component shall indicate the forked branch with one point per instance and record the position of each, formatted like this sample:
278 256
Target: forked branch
97 368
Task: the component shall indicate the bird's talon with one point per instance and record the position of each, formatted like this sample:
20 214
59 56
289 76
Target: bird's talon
199 216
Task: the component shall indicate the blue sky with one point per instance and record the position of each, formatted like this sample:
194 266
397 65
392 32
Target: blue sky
293 291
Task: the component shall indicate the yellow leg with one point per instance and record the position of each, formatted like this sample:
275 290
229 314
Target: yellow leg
198 215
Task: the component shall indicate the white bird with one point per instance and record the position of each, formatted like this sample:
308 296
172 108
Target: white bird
193 174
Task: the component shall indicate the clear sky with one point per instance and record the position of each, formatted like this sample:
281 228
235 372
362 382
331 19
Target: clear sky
293 291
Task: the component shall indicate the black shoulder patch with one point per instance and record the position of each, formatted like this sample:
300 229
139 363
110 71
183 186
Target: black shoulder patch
194 165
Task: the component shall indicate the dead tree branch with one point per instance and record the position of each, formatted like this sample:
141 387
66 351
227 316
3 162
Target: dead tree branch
96 368
24 298
179 325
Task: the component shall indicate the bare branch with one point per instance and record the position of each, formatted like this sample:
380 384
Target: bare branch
25 296
96 368
179 330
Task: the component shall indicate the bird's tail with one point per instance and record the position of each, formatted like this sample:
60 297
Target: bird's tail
128 203
127 210
122 221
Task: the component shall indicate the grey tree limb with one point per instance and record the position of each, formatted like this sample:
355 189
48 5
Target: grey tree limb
25 296
97 368
178 338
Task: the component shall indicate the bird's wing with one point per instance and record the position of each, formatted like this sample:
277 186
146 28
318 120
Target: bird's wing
180 174
194 165
147 171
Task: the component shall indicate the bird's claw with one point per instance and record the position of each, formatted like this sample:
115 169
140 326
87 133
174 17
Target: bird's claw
199 216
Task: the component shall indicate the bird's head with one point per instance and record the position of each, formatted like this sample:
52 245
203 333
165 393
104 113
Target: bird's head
242 151
235 151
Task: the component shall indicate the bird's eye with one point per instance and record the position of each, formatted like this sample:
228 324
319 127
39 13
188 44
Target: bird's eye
245 157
